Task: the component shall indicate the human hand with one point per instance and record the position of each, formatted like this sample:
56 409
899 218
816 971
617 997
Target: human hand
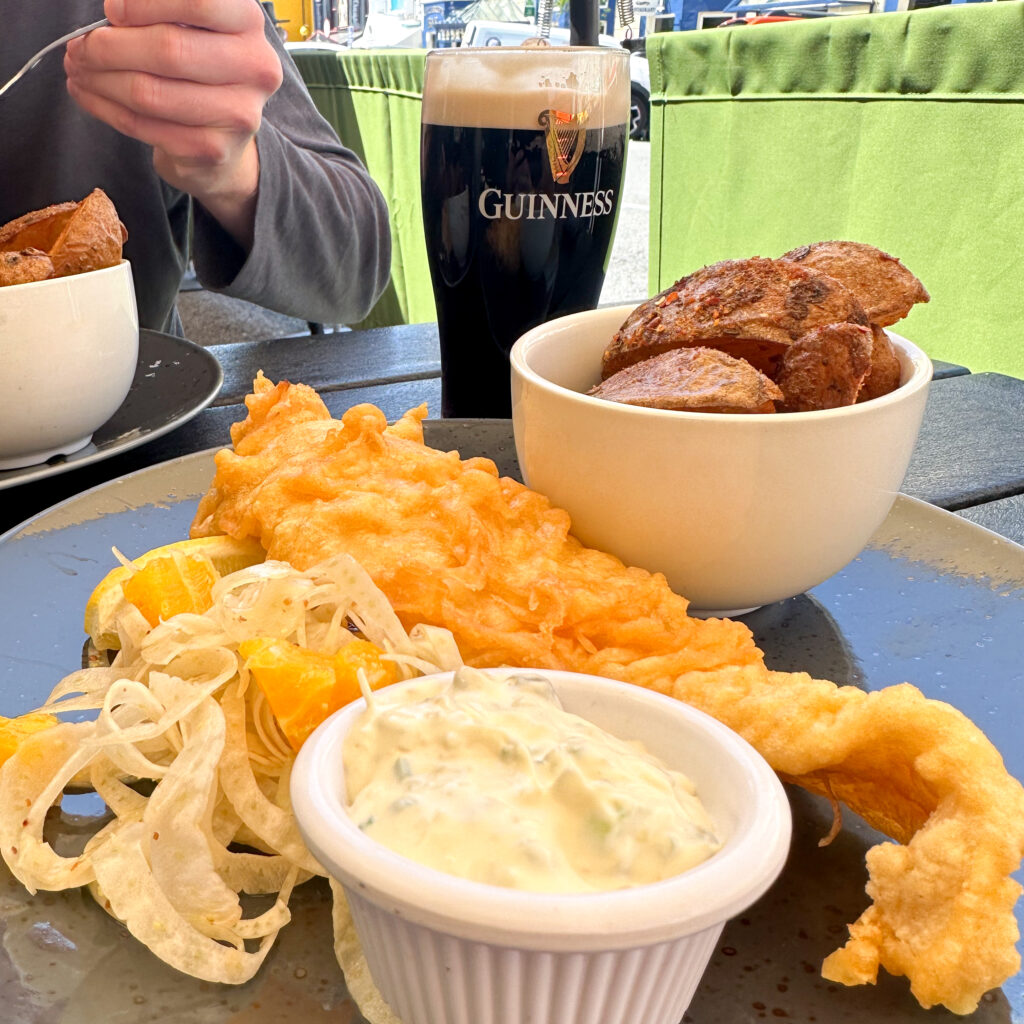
190 78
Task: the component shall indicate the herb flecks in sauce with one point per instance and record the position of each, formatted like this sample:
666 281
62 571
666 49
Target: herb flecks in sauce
490 779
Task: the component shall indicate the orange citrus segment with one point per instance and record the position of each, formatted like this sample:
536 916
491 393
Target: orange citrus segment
171 585
355 655
303 687
107 600
14 730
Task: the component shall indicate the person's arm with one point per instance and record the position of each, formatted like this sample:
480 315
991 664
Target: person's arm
285 215
322 244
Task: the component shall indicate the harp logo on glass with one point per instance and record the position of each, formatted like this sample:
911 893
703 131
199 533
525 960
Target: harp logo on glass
566 136
493 203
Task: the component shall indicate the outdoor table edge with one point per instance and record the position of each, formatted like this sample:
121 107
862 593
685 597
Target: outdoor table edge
339 361
210 428
1004 516
368 357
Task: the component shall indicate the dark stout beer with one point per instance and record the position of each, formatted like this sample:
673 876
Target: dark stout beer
519 222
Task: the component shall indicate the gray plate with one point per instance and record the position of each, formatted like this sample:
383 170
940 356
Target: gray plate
933 599
174 380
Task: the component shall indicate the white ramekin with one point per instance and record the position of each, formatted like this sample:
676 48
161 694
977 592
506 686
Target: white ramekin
443 950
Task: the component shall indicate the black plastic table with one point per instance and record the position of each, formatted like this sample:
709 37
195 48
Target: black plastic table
969 457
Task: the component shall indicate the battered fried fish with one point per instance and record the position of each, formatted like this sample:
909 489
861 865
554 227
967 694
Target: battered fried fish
920 771
450 543
752 309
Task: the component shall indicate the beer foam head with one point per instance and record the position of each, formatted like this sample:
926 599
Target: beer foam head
509 86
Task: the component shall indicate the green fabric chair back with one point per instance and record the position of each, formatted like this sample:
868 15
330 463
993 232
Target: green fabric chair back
903 130
372 99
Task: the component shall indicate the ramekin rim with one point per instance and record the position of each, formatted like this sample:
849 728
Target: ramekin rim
736 875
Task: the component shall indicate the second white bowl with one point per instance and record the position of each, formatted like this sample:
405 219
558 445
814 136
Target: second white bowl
69 348
736 510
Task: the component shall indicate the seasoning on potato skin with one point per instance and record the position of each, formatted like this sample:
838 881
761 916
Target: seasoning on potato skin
692 380
883 285
752 309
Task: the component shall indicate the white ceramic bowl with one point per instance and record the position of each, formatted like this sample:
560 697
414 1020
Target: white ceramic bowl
737 511
68 348
443 948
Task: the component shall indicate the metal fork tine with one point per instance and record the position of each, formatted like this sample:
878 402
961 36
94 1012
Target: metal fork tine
34 60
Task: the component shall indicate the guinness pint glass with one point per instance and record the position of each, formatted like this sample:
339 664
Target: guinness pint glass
522 156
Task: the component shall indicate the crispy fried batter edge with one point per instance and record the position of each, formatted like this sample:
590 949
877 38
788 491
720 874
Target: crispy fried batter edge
920 771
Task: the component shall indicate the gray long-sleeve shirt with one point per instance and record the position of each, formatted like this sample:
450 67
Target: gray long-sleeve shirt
322 247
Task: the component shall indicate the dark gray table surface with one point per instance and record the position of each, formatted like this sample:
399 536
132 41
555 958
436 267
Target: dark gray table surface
1005 517
971 446
970 452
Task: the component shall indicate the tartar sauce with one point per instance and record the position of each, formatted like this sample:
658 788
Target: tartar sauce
491 780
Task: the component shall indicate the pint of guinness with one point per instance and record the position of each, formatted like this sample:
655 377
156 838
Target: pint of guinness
522 157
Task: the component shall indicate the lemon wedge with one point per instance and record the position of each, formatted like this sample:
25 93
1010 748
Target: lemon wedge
13 731
107 601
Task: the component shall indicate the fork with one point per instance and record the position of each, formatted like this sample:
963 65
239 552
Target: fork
33 61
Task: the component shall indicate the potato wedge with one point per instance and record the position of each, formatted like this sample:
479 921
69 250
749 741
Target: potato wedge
692 380
885 367
91 239
825 368
882 284
25 266
37 229
751 309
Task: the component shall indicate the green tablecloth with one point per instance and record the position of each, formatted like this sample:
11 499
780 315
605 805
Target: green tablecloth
903 130
372 99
